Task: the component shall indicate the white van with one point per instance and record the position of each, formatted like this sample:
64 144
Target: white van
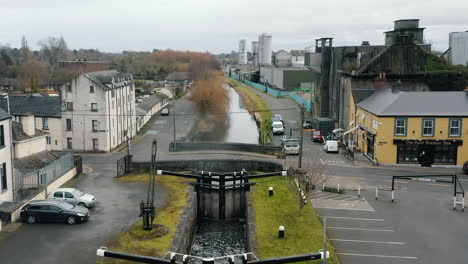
291 146
331 146
277 128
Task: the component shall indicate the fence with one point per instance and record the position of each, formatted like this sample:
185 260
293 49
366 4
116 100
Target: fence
277 93
37 178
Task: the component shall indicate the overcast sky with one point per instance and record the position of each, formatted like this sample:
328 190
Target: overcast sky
218 25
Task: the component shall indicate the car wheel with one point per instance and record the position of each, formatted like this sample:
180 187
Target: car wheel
31 219
71 220
82 204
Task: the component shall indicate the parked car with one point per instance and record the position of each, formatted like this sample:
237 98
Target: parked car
331 146
465 167
277 128
291 146
316 135
307 124
165 112
277 118
53 211
73 196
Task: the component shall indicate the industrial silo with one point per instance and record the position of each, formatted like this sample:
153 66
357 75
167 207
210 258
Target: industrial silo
242 52
255 53
264 49
458 43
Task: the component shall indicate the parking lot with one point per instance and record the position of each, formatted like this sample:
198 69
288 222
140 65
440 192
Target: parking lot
419 227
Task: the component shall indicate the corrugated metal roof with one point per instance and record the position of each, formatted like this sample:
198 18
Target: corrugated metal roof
388 102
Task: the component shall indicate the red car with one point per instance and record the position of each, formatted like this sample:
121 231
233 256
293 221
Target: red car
316 135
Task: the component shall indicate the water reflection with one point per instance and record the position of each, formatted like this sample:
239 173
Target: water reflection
241 127
217 239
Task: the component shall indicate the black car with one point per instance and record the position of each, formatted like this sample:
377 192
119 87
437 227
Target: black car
465 167
53 211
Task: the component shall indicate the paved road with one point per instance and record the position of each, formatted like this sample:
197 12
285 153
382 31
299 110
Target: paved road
116 209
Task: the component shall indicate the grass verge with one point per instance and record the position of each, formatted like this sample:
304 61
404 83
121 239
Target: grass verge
257 106
303 230
137 241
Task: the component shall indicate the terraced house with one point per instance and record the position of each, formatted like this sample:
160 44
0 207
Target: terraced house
420 128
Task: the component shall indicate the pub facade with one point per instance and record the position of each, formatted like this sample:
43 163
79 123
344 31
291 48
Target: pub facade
413 128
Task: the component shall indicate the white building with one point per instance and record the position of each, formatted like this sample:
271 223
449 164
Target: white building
98 109
47 116
458 43
6 171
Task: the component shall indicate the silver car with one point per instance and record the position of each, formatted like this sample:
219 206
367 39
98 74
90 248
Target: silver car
73 196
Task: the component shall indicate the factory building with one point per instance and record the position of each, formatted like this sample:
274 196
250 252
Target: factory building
458 44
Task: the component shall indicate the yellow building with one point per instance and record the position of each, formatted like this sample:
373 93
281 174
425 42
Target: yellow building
423 128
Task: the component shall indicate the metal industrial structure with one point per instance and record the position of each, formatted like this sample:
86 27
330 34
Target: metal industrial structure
458 43
148 211
264 49
255 53
242 52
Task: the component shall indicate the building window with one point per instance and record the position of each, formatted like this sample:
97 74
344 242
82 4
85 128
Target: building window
69 125
400 127
69 89
428 127
94 107
3 176
69 143
455 125
91 89
407 152
69 106
375 124
113 93
2 137
95 125
56 142
45 123
48 140
95 144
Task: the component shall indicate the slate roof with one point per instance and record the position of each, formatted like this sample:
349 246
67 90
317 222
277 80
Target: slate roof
38 160
148 103
41 106
4 115
105 77
19 135
388 102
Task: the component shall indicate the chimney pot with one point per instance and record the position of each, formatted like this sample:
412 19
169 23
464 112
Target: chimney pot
28 124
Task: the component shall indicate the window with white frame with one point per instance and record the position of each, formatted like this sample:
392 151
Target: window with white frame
428 127
95 144
455 127
95 125
3 177
45 123
69 106
375 124
48 140
2 136
94 107
400 127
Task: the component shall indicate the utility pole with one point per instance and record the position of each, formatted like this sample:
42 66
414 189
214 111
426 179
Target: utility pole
324 260
173 117
301 137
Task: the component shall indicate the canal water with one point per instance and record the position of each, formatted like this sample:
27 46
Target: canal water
217 239
241 125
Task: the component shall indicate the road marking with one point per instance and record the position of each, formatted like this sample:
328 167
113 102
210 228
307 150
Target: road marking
322 161
341 208
350 177
360 229
328 195
366 241
377 256
438 184
352 218
396 181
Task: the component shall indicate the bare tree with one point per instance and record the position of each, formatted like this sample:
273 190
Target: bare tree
24 50
54 50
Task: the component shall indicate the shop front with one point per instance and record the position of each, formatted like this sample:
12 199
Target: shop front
427 152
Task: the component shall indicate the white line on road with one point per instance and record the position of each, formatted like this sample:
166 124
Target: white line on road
377 256
322 161
361 229
366 241
352 218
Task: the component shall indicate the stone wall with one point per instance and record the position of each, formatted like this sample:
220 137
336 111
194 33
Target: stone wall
250 235
186 228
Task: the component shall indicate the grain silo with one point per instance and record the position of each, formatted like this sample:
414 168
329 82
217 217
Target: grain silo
242 52
255 53
458 43
264 49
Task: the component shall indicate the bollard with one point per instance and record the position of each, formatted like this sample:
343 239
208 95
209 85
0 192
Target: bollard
376 193
208 261
463 204
338 187
281 232
231 259
185 259
270 191
244 259
359 191
173 258
323 186
455 202
393 196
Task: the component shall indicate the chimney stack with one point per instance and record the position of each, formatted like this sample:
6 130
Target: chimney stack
28 124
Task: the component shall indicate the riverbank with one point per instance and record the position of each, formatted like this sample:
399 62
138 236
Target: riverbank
257 107
303 230
159 240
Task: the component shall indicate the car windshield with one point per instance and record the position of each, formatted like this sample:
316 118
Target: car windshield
78 193
277 125
66 206
316 133
291 143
